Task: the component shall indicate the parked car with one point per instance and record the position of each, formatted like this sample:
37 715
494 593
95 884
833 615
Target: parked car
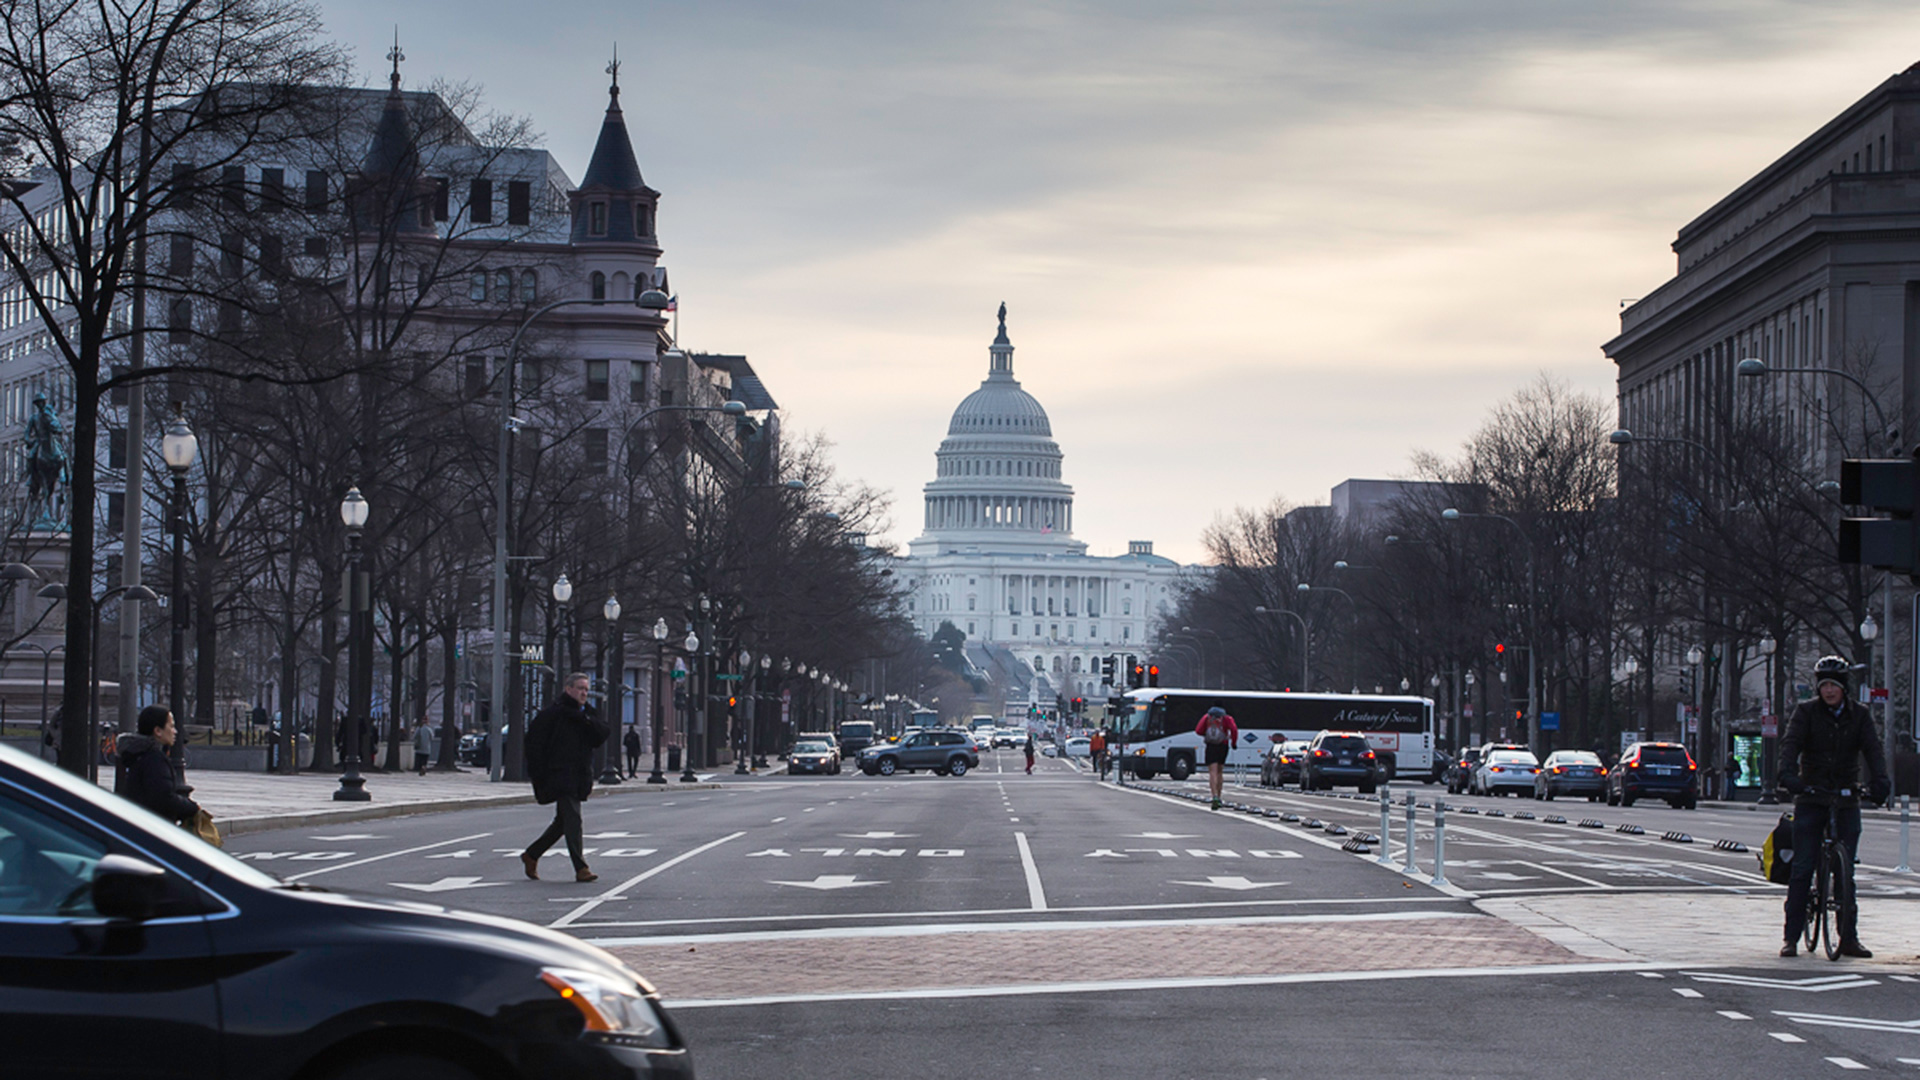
1459 774
1504 771
1571 772
1280 765
813 756
945 751
1339 757
1663 770
1079 747
131 947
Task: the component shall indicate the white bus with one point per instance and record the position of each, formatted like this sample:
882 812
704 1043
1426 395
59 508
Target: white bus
1155 728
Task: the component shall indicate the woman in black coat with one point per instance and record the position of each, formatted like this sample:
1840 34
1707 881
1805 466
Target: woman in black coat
144 774
560 744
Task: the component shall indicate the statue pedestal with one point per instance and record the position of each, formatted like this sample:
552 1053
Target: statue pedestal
30 670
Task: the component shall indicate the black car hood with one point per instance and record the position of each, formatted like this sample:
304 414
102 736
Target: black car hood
502 935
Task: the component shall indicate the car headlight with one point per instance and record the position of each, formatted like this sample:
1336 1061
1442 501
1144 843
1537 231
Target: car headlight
614 1010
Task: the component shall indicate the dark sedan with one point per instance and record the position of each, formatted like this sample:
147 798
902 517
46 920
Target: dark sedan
1571 772
129 947
812 756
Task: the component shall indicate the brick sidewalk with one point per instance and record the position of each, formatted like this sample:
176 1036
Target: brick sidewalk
1032 955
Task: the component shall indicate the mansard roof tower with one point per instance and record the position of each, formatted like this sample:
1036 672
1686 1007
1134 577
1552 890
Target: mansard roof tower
997 487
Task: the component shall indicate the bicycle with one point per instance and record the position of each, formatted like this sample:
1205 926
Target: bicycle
1832 901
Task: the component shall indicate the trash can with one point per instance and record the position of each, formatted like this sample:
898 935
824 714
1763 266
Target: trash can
673 759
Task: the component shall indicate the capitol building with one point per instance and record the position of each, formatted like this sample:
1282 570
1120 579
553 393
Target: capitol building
997 557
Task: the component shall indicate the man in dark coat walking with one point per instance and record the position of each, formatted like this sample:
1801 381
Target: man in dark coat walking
632 745
559 750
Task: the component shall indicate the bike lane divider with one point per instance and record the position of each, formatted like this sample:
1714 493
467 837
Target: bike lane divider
586 907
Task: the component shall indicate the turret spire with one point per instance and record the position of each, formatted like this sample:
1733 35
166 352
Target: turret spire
394 54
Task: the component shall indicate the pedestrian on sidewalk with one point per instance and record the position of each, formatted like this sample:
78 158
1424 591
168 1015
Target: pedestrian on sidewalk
559 754
632 745
1029 753
422 748
143 775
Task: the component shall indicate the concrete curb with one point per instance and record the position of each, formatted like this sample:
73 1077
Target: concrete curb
374 811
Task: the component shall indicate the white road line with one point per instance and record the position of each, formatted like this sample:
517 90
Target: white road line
1651 975
1196 982
389 855
1846 1063
1687 992
614 893
1041 925
1035 894
1192 905
1564 874
1786 1036
1733 1015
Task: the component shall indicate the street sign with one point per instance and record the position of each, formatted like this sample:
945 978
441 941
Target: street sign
729 678
1770 727
1549 721
1878 693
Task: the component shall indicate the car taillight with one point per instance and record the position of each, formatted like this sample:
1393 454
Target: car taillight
1603 770
1557 769
1320 753
1368 755
1691 766
1537 770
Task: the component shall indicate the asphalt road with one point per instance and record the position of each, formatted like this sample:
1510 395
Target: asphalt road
1002 924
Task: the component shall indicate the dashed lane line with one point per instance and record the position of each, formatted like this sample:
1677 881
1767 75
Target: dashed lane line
1035 893
1734 1014
389 855
1786 1036
615 893
1846 1063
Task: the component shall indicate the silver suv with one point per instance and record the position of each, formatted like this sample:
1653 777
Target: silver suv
943 750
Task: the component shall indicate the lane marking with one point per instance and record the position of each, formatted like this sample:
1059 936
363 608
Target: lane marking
1846 1063
1786 1036
1734 1015
389 855
1687 992
842 933
1187 983
1564 874
614 893
1036 895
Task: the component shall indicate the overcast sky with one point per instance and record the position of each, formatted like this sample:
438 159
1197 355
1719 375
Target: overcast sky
1248 249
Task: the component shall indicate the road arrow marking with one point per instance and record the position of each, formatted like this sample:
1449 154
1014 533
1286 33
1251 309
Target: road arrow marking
1237 884
880 835
449 884
1814 985
1863 1023
829 882
463 853
1162 836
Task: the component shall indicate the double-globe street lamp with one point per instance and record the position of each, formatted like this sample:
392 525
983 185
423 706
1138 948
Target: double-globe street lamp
1306 680
179 448
353 786
650 300
1353 660
657 776
609 662
692 646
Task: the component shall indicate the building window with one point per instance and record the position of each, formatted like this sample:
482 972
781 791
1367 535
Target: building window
597 380
642 220
529 287
440 189
503 286
1126 607
637 382
519 202
595 447
480 201
273 262
316 247
230 256
530 373
596 219
180 321
598 284
117 448
1093 630
180 255
476 378
970 603
1126 633
273 189
969 629
666 397
316 191
116 510
116 396
233 186
477 286
180 188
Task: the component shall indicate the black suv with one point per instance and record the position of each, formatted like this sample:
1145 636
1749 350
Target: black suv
1662 770
943 750
1339 757
1459 774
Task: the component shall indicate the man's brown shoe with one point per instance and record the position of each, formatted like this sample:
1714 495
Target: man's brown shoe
584 874
532 864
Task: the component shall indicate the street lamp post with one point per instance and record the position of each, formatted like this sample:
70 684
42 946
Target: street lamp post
132 592
1219 671
179 447
1353 661
562 595
743 738
610 662
1306 679
692 645
1754 368
659 706
1768 716
353 787
1533 621
766 665
1869 630
1696 656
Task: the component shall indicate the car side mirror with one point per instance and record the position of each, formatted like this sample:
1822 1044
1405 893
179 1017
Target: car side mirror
127 888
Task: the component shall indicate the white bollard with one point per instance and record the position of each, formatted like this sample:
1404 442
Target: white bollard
1386 819
1439 843
1410 867
1906 802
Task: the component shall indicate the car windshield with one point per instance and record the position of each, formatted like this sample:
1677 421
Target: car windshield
810 748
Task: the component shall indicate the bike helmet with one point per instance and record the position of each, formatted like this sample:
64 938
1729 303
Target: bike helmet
1831 669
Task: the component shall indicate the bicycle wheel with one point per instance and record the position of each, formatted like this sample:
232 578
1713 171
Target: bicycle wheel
1840 898
1817 903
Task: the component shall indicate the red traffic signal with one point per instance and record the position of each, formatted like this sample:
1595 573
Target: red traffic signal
1499 648
1153 674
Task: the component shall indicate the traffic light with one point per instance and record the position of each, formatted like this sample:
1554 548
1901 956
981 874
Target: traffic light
1136 674
1500 649
732 700
1686 682
1887 486
1106 669
1153 674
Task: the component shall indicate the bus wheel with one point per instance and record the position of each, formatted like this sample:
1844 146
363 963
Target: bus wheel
1179 769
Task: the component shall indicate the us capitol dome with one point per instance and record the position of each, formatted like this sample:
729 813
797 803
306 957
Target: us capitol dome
996 555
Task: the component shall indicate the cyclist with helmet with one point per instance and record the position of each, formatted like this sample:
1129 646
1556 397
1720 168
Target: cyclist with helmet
1820 766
